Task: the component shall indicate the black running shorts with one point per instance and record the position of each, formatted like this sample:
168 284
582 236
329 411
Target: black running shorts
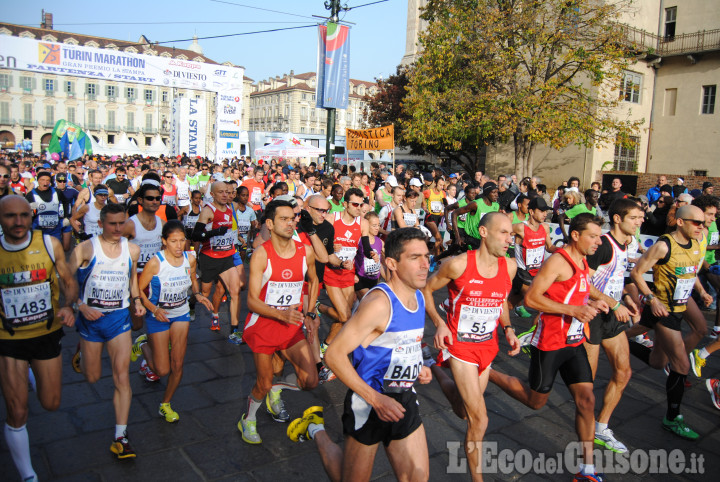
44 347
672 321
211 268
604 326
362 423
571 362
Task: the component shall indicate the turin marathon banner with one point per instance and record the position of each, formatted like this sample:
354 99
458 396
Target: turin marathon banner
121 66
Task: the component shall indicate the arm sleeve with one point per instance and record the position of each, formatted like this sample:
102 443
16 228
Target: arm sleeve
602 256
367 249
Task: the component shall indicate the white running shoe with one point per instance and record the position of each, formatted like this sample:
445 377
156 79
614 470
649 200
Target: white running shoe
607 439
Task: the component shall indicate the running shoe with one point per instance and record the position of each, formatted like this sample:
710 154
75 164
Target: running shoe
236 337
137 347
644 340
166 411
121 447
713 386
76 360
248 429
607 439
276 407
522 312
148 373
323 347
524 339
215 322
696 362
297 430
580 477
326 375
714 334
679 428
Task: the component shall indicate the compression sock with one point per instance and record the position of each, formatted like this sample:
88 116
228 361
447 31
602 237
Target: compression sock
675 388
19 445
599 427
641 352
252 408
587 469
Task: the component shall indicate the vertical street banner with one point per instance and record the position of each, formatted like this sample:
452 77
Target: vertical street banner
333 66
189 126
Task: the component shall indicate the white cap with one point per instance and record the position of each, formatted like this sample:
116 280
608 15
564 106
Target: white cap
415 182
392 180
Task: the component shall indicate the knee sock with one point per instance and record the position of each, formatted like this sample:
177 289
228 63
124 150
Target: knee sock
675 388
252 408
19 445
641 352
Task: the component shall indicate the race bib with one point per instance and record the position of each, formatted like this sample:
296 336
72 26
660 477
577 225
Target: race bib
534 256
477 323
226 242
714 238
256 197
27 305
173 294
243 227
462 218
614 287
147 251
170 200
404 366
683 289
410 219
283 294
436 206
120 198
372 269
93 230
575 333
49 220
347 253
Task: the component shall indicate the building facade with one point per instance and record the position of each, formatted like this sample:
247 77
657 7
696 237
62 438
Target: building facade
672 87
32 102
287 104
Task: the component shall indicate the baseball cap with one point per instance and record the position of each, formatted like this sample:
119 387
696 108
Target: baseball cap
60 178
452 176
287 197
392 180
539 203
707 185
415 182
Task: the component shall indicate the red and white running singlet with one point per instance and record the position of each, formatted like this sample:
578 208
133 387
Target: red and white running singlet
348 236
476 302
220 246
169 197
554 331
531 252
282 284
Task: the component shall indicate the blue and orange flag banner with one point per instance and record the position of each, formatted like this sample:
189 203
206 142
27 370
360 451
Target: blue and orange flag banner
333 67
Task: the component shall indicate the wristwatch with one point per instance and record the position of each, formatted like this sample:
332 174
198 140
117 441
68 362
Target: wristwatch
312 315
648 298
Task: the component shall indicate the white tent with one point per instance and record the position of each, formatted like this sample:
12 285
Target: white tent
157 147
292 147
125 146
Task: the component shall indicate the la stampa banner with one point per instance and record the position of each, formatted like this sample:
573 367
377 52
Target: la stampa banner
333 69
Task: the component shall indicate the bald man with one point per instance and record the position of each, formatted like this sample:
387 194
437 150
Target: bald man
34 271
674 260
214 229
478 282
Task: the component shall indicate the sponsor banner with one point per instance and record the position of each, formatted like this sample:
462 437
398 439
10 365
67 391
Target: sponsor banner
227 136
333 66
117 65
370 139
189 126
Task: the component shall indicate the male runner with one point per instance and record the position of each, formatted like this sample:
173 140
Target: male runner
532 239
607 269
275 318
475 211
340 282
383 337
562 292
33 270
213 229
674 259
478 284
106 269
51 210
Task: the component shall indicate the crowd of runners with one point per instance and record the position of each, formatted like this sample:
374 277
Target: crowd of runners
124 250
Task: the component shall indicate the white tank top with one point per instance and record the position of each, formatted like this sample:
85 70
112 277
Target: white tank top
90 220
105 282
149 242
169 287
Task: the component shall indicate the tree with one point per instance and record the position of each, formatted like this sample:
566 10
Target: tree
387 107
531 71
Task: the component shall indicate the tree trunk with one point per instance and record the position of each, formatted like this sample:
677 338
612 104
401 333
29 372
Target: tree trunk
519 156
529 158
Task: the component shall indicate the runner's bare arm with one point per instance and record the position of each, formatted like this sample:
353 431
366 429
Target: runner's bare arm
151 269
68 284
313 285
136 302
129 229
366 324
549 246
654 254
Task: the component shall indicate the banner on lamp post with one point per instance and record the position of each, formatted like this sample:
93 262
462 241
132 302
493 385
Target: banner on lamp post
333 69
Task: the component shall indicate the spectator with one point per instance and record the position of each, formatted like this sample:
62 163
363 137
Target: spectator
615 193
505 195
707 189
653 193
682 200
656 217
679 187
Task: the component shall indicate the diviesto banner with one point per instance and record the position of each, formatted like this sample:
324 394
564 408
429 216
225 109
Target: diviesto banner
115 65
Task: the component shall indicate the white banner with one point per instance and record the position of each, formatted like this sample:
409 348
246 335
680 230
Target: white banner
227 125
189 124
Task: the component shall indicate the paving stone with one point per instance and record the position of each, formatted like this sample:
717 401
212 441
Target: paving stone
153 467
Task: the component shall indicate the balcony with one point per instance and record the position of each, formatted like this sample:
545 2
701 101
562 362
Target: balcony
130 100
164 103
112 128
27 123
48 124
71 95
112 100
49 93
7 121
27 90
149 130
688 43
131 129
90 96
149 103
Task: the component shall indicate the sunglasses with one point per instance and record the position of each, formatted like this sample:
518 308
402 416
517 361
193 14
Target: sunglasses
60 180
153 198
354 204
4 176
168 177
694 221
323 211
